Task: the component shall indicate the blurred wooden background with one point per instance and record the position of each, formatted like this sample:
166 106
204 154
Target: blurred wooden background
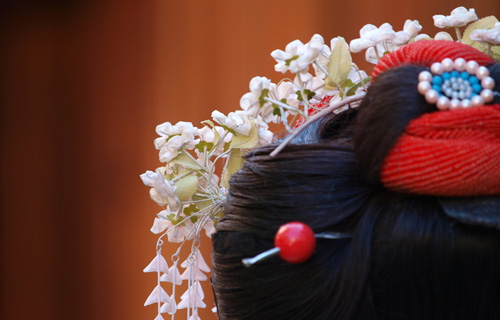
83 85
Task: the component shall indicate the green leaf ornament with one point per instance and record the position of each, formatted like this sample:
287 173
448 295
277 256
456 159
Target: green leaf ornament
234 163
186 187
339 65
241 141
186 161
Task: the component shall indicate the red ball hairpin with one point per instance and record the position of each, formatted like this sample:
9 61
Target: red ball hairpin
294 243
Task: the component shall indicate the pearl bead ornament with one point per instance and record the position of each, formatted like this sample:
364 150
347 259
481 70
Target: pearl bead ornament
453 84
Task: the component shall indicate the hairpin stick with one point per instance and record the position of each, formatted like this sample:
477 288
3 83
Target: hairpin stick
315 117
295 243
333 235
261 256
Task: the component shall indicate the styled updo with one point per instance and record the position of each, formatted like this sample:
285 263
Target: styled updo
406 259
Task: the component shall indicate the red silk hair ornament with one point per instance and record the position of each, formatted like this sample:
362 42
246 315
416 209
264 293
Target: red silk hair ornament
444 153
426 52
447 153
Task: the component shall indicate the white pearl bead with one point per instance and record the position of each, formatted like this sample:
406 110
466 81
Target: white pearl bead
487 95
425 76
443 103
460 64
465 103
488 83
447 64
454 103
477 101
471 67
437 68
423 87
482 72
432 96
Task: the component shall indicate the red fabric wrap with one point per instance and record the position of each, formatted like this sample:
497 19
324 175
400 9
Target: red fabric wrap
448 153
426 52
445 153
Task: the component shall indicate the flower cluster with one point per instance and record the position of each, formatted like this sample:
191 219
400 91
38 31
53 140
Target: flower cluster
192 184
191 189
381 40
384 39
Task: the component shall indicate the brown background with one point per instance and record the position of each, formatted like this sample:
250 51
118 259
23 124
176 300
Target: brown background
83 85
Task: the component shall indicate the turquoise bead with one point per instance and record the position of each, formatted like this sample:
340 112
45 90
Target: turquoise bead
437 80
477 88
473 80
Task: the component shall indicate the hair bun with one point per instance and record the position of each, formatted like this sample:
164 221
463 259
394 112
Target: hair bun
406 144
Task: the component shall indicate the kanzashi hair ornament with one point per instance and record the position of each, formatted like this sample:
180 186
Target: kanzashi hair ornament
294 242
192 183
453 84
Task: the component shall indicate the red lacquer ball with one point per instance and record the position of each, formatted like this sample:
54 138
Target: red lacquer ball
296 242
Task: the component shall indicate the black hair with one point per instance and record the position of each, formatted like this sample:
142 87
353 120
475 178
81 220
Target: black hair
406 259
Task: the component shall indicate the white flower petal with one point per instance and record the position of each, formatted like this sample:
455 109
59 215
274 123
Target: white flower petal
401 38
200 262
158 295
358 45
413 27
191 298
159 317
311 52
170 307
491 36
459 17
443 36
162 191
159 225
367 28
279 55
173 276
209 228
423 36
296 55
385 33
237 121
257 84
157 264
176 234
370 56
193 272
294 47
